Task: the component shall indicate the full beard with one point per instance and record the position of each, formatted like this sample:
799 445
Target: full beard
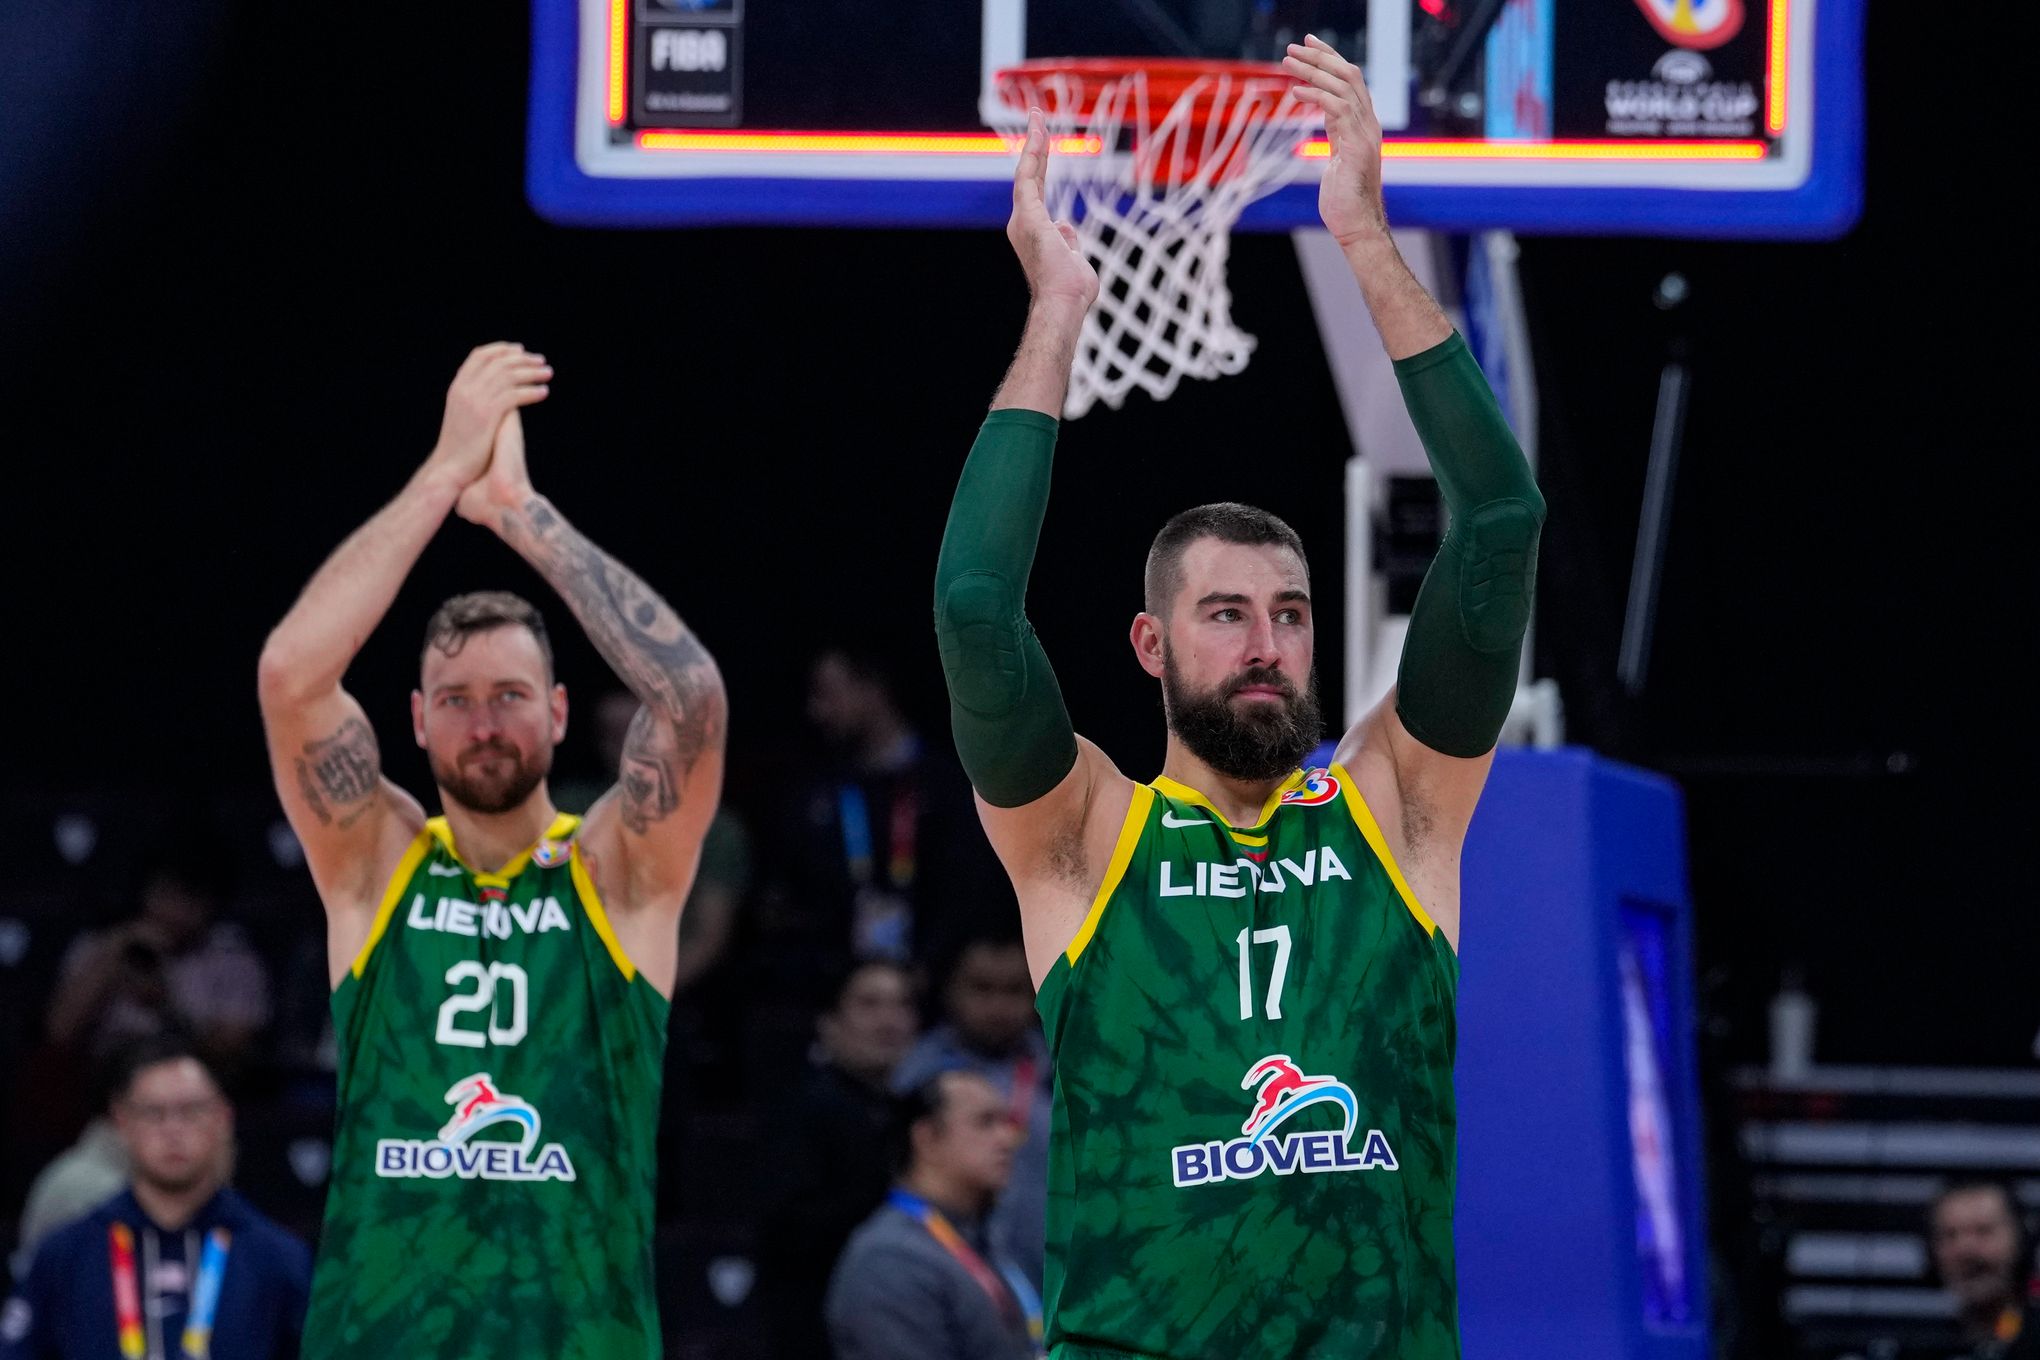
1262 741
490 794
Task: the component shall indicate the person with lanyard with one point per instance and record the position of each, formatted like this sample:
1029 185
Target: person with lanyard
990 1028
176 1266
879 852
921 1280
873 799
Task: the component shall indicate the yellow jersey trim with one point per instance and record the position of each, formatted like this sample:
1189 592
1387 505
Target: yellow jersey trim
591 902
1122 855
1363 817
562 827
1184 793
407 868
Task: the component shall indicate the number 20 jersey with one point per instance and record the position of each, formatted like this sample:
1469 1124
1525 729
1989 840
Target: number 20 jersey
493 1166
1253 1142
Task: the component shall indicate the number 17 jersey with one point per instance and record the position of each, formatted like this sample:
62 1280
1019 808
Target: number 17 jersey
494 1160
1252 1153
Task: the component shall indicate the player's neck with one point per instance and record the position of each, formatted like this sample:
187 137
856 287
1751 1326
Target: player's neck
1239 801
488 841
172 1209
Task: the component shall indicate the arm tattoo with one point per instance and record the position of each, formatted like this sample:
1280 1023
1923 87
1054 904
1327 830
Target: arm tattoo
650 790
341 774
655 655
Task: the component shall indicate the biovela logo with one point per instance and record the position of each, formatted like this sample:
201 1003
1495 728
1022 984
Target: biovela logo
477 1105
1682 99
1281 1090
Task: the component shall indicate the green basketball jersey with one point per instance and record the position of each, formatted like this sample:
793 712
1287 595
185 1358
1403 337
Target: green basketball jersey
1252 1156
493 1167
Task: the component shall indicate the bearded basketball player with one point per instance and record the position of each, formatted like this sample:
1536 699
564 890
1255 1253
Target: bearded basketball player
500 972
1246 969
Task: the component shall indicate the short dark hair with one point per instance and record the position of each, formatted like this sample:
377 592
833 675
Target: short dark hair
153 1050
479 611
1967 1185
992 939
1226 521
919 1104
836 986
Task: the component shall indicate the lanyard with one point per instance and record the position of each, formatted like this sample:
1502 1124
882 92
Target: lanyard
1023 1092
127 1292
855 815
1007 1287
204 1297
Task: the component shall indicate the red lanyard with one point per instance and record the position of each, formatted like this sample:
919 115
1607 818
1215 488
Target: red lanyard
952 1241
906 809
127 1292
1023 1092
853 812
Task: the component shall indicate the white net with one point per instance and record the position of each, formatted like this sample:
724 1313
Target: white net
1155 205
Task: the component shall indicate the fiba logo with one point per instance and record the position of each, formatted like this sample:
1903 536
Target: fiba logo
1697 24
1680 67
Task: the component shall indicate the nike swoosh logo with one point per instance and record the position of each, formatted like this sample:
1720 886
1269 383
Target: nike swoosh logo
1171 820
444 870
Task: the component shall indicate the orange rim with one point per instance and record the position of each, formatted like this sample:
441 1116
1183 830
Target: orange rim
1169 79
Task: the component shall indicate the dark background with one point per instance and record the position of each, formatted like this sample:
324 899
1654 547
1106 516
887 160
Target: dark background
243 247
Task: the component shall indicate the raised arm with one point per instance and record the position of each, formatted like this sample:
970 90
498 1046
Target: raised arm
643 836
1434 738
1046 797
351 820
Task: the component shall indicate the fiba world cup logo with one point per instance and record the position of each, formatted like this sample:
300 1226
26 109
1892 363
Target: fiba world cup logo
1318 788
1696 24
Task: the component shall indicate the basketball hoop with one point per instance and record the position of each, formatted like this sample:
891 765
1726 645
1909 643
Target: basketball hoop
1176 150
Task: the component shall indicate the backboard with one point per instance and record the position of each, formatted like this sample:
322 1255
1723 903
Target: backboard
1672 117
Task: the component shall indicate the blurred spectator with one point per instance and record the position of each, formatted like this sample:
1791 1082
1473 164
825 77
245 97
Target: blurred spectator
991 1030
922 1279
883 850
79 1179
830 1165
1983 1252
176 1264
172 966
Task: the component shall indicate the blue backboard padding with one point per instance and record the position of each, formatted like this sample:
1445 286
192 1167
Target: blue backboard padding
1547 1208
1825 206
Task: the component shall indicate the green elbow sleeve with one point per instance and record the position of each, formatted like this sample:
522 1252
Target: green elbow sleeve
1013 733
1464 647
